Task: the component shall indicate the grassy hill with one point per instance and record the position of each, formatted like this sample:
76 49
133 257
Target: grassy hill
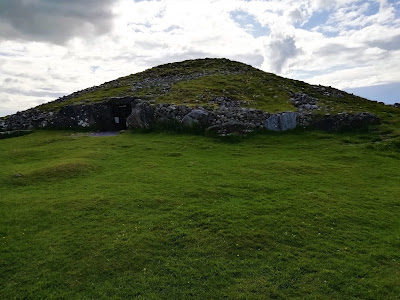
199 82
204 79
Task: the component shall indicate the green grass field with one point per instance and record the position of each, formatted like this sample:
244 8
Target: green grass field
304 215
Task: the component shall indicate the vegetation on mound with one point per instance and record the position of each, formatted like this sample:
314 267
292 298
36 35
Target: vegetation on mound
251 91
222 77
304 215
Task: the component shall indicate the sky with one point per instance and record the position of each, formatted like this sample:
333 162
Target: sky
52 48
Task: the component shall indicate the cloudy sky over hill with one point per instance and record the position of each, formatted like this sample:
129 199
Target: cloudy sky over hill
52 48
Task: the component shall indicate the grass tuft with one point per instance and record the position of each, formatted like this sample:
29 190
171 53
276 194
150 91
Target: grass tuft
53 173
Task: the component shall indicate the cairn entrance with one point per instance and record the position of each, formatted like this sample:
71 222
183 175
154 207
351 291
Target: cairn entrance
119 115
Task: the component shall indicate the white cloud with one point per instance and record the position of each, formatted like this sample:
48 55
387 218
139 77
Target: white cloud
279 50
376 74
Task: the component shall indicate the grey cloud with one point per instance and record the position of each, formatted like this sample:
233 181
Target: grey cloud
281 49
32 93
344 53
148 61
126 57
4 100
54 21
169 58
148 45
24 75
5 111
389 44
297 16
9 80
60 77
339 49
323 4
255 60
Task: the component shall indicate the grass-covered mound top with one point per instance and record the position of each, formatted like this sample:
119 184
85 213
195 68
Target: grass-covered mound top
198 82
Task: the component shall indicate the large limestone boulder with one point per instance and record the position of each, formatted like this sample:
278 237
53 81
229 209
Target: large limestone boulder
141 117
282 121
197 117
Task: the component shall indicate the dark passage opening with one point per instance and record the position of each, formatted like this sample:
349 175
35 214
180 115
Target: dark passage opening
120 114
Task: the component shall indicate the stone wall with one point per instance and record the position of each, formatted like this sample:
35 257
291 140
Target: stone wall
100 116
236 118
108 115
25 120
345 121
223 116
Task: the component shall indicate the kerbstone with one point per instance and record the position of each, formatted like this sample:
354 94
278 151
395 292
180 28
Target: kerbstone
282 121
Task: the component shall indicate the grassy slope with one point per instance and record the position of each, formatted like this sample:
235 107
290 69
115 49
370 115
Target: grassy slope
260 89
293 215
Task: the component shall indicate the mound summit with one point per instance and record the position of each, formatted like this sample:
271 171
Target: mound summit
212 94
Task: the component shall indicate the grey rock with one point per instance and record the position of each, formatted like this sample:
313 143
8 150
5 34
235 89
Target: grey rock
282 121
29 119
141 116
304 102
225 102
196 117
328 91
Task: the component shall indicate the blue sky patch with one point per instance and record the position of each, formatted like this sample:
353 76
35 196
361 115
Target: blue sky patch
7 54
319 19
250 24
389 93
93 69
171 28
316 19
373 9
396 4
